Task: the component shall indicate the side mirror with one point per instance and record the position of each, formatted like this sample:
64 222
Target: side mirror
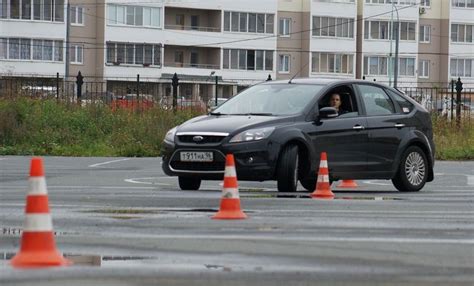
328 112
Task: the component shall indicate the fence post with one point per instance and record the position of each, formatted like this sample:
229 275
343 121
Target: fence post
57 86
138 91
458 101
175 83
79 82
453 83
217 84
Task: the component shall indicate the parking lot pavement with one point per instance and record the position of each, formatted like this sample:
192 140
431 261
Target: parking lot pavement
125 215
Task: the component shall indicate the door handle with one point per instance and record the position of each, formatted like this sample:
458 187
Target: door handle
399 125
358 127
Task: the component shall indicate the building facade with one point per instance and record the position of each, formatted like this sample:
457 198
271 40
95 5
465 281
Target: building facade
237 42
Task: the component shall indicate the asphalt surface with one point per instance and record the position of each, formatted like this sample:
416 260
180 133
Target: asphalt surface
125 223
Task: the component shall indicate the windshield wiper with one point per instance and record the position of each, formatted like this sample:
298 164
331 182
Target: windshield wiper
217 113
259 114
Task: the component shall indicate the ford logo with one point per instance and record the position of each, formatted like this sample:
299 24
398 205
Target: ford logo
198 138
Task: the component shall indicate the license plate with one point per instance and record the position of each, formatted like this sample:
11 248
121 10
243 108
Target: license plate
196 156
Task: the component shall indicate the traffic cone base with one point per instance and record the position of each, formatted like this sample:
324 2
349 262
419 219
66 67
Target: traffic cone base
347 184
230 209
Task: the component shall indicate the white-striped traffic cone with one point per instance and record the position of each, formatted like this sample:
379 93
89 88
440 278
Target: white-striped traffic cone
323 188
38 248
230 201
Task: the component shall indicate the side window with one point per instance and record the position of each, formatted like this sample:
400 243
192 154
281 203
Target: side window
376 101
405 105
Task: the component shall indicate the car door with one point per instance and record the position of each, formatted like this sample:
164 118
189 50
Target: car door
345 139
386 127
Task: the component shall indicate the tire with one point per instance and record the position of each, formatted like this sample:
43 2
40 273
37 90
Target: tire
287 172
189 184
412 172
309 184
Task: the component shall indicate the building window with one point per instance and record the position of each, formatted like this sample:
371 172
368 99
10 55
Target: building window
462 67
425 3
333 27
425 34
332 63
462 3
406 67
400 2
134 16
3 48
248 22
462 33
285 26
381 30
76 54
335 1
284 64
424 69
42 10
31 49
133 54
77 17
247 59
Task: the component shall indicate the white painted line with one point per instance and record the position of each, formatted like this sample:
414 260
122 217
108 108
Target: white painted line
320 239
139 181
108 162
470 180
376 183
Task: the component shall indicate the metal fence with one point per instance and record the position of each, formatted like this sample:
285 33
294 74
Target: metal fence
453 103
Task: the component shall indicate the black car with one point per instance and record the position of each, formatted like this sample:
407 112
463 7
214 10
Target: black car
277 130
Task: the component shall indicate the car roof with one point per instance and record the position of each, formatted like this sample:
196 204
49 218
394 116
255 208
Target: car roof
324 81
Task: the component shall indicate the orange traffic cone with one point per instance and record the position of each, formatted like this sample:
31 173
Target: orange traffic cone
230 201
323 189
38 248
347 184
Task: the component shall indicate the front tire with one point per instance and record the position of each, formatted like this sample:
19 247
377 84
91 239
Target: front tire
189 184
287 173
412 171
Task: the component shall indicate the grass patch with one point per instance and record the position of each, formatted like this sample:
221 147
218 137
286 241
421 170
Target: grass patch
47 127
453 143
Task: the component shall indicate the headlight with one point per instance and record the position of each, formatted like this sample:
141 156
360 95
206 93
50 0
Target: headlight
170 135
252 135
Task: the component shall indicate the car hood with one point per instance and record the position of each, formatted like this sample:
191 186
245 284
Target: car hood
226 123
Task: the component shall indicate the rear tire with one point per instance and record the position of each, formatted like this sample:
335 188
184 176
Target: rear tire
309 184
189 184
412 171
287 172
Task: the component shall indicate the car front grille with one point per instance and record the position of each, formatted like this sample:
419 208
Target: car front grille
206 139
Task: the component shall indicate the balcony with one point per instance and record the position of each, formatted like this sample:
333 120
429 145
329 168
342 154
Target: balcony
200 20
192 57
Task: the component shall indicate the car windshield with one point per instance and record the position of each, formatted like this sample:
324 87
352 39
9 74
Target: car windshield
270 99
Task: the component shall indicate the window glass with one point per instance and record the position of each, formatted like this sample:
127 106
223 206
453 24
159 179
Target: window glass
26 9
3 48
252 23
25 52
226 21
157 55
268 60
260 23
404 104
235 21
243 22
58 51
225 59
59 12
130 15
376 101
155 17
269 23
111 14
110 52
37 49
259 60
47 50
234 59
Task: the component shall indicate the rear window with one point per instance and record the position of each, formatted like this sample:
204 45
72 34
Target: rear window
404 104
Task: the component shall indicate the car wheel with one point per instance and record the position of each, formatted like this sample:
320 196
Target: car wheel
288 169
309 184
412 171
186 183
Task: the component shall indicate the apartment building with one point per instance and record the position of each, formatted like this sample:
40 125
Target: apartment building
237 42
32 37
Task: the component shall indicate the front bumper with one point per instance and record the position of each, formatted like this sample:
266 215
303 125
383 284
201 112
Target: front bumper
255 161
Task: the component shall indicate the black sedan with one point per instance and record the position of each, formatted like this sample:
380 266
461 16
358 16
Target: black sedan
277 130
